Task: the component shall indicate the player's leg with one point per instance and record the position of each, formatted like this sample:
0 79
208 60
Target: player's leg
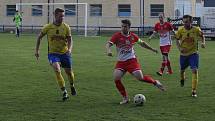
118 74
163 64
184 63
66 63
194 63
60 80
54 61
134 68
182 75
194 82
166 61
17 29
148 79
168 64
71 77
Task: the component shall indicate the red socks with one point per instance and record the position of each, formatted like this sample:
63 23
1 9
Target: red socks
121 88
148 79
164 64
168 66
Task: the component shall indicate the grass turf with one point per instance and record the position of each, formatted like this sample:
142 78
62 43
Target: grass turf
29 92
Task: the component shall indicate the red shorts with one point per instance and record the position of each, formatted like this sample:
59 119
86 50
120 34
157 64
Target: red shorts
129 65
165 49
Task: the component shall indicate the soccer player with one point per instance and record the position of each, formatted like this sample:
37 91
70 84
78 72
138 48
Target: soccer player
187 42
17 19
127 60
164 29
59 50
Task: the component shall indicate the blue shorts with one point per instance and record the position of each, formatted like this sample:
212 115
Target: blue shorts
64 59
190 60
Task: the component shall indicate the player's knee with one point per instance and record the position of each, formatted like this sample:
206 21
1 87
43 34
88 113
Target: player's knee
194 71
140 78
57 69
117 78
165 56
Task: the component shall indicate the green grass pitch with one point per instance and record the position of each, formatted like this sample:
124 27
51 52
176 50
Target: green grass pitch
29 92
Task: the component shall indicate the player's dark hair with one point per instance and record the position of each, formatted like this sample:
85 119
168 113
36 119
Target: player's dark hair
126 21
58 10
188 16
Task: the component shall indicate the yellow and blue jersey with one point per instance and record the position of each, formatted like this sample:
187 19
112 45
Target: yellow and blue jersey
189 39
57 37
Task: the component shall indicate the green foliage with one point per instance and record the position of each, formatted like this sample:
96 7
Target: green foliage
29 92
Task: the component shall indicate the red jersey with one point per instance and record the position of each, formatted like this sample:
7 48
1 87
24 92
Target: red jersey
164 32
124 45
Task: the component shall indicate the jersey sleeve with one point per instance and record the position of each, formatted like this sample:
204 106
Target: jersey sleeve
178 33
156 27
45 29
114 39
170 26
135 38
199 31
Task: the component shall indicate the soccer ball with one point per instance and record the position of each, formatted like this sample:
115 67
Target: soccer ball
139 99
11 32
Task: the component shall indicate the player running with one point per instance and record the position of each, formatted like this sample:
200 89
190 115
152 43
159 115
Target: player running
187 43
17 19
127 60
163 29
59 50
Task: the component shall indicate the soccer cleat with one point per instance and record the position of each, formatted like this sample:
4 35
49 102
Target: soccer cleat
65 96
182 83
160 73
194 94
159 85
73 90
125 100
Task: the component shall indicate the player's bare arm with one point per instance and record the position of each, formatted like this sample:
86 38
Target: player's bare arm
173 32
178 44
108 48
182 50
70 44
203 40
39 38
145 45
153 34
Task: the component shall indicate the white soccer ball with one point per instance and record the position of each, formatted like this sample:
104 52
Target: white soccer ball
11 32
139 99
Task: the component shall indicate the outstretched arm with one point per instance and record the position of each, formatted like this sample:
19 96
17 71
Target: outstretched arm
178 44
203 40
145 45
153 34
39 38
70 44
108 48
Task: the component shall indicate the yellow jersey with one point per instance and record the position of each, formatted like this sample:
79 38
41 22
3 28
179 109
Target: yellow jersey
188 39
57 42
